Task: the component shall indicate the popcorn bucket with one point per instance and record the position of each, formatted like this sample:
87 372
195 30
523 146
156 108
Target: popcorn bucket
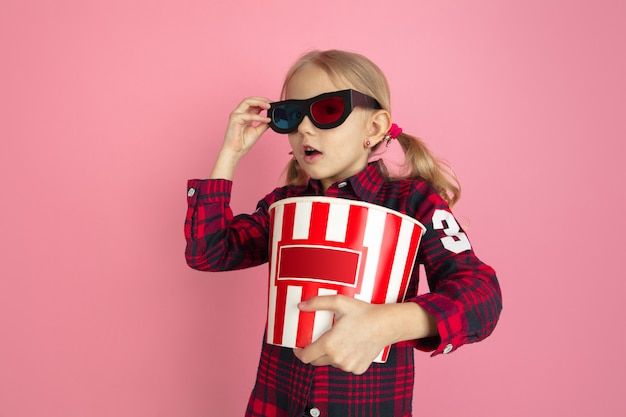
327 246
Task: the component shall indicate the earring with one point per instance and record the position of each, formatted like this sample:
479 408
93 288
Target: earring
367 144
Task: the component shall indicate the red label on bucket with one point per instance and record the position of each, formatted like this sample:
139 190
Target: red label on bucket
318 263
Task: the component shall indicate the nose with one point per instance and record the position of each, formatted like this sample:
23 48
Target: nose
305 126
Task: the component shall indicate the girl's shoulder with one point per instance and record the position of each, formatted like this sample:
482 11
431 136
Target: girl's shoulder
414 196
409 186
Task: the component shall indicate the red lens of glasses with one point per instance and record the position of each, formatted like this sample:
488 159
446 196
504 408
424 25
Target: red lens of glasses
327 110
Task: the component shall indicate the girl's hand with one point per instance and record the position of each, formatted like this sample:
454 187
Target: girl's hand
359 334
362 330
246 125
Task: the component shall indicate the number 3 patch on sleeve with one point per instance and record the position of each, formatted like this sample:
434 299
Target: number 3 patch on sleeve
455 240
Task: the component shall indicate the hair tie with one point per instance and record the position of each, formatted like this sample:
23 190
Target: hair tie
393 133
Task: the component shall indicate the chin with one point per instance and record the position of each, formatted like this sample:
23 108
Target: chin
315 175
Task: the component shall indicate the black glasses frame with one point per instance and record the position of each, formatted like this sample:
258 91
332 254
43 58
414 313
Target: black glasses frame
351 99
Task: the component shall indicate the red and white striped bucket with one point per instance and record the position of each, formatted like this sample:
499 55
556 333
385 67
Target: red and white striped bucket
327 246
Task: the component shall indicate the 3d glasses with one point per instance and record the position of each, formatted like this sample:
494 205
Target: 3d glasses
325 111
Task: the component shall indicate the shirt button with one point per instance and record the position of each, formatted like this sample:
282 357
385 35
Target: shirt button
191 192
315 412
448 349
342 184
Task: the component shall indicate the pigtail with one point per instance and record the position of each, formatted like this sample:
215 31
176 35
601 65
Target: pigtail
419 162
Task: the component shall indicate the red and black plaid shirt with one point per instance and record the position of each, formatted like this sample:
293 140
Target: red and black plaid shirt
464 293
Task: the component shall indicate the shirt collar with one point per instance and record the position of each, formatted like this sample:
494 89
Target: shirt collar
365 184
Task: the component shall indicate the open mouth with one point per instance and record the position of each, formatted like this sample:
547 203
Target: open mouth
308 151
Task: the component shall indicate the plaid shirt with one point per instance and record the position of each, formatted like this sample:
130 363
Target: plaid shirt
464 294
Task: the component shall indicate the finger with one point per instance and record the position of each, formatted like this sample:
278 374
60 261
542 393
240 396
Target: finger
353 365
334 303
258 99
260 129
249 118
323 361
249 103
312 354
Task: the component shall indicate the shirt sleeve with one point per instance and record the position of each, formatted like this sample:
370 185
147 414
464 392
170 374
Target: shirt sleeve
465 297
217 240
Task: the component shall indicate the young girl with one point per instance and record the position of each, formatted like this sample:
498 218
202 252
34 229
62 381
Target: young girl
336 114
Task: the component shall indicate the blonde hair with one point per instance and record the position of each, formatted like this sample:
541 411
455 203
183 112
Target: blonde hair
363 75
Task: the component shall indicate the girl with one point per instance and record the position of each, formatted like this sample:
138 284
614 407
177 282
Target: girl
336 114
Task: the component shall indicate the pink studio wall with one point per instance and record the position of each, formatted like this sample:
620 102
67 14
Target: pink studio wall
109 106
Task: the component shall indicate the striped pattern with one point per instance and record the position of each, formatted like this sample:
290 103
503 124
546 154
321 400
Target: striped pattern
328 246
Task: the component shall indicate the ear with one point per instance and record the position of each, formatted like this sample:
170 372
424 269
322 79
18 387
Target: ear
379 124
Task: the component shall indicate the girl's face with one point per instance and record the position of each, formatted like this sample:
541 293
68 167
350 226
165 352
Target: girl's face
328 155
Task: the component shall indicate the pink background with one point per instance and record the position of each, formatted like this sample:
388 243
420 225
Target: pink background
109 106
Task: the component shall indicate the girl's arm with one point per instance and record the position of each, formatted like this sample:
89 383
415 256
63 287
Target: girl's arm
216 239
